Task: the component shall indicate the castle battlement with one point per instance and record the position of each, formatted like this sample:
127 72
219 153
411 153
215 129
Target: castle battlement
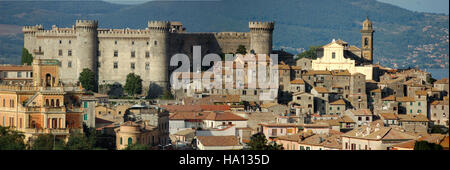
56 32
231 35
35 28
261 25
86 23
123 32
159 24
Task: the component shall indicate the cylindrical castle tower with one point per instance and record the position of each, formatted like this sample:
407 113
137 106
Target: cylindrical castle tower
29 37
86 46
261 37
159 41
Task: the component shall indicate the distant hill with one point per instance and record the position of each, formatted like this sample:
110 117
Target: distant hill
402 39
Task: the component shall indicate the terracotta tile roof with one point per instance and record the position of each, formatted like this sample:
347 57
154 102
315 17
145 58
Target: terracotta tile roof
442 81
224 116
412 118
432 138
389 98
389 116
283 67
293 137
218 140
378 133
405 99
346 119
318 72
281 124
340 73
361 112
297 81
421 92
16 68
338 102
321 89
188 115
195 108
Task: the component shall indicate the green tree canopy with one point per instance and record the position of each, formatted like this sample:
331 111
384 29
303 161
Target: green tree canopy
310 53
241 50
78 141
26 57
137 147
47 142
11 139
259 142
424 145
88 80
133 84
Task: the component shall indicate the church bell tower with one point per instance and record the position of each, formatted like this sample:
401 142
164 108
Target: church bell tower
367 40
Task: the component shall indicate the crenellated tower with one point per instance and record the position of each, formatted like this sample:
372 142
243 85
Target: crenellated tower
86 46
261 37
29 35
159 41
367 40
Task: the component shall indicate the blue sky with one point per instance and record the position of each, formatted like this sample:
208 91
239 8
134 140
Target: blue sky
434 6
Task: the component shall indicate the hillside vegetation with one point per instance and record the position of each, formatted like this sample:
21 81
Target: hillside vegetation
402 39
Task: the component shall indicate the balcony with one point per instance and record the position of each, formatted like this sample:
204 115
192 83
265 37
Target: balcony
62 131
38 52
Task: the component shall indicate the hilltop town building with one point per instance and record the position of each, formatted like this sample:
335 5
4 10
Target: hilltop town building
43 107
338 55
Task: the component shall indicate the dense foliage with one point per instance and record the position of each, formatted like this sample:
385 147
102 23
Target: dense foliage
88 80
424 145
27 58
241 50
11 139
133 84
259 142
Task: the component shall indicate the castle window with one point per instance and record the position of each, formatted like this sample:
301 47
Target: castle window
70 42
116 53
147 66
60 52
156 43
148 43
133 54
69 53
147 54
60 42
116 65
132 66
333 55
115 42
132 42
69 64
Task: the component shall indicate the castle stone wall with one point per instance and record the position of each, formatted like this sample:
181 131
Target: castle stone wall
94 48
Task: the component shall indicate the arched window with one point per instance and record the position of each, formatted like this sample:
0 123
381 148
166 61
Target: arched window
47 103
53 103
121 140
130 141
366 41
57 102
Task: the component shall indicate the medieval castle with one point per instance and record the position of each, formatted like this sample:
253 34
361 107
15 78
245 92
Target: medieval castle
114 53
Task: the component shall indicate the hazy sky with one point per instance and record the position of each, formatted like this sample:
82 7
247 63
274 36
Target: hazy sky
435 6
